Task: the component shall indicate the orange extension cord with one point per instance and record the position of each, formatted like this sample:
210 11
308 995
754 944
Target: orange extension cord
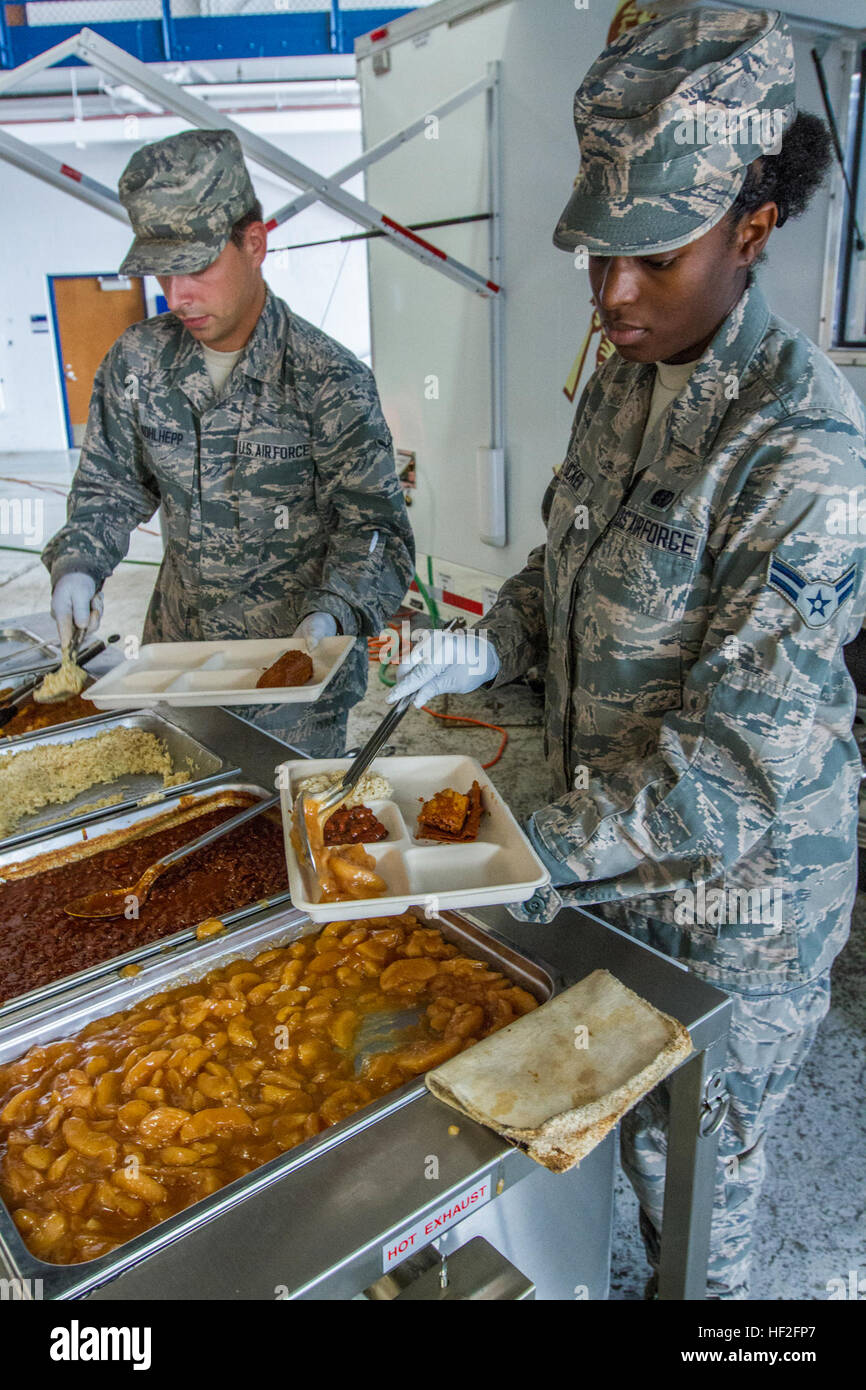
464 719
374 648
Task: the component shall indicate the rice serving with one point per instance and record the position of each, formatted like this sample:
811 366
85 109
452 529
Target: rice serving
58 685
372 787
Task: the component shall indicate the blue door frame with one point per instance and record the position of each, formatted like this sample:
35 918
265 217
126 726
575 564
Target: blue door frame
203 38
58 346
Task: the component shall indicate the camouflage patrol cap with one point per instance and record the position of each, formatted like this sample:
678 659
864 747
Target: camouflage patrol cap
668 119
183 196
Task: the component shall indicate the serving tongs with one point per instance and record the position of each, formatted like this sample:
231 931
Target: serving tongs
26 688
113 902
327 801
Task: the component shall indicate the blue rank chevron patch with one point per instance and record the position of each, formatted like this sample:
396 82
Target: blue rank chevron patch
816 603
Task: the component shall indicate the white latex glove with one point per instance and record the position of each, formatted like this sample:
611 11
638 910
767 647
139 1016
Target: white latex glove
314 627
75 603
445 663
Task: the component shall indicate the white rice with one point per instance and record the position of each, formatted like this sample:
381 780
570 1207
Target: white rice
372 787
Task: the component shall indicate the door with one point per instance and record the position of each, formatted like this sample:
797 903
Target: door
90 313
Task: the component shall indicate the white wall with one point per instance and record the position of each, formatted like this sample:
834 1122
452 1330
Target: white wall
423 325
45 232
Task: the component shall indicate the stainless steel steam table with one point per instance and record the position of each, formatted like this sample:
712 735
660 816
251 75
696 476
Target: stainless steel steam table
362 1210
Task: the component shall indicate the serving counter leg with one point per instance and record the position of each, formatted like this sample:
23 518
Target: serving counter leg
690 1175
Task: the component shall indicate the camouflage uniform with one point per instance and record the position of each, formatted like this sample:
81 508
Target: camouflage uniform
769 1040
690 605
279 496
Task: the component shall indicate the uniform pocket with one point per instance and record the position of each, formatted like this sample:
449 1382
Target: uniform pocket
643 578
274 471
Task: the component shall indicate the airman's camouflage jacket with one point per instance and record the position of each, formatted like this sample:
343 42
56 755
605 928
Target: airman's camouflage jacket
279 497
691 603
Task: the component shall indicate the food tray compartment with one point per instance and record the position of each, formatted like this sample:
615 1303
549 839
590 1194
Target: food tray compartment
234 661
186 753
217 673
160 656
154 680
70 1014
391 864
390 815
438 869
499 866
77 843
224 682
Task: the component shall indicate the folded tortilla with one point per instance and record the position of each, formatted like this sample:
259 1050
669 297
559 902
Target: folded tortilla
557 1080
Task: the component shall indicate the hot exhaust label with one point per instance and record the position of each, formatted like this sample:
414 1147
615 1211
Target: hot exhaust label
421 1234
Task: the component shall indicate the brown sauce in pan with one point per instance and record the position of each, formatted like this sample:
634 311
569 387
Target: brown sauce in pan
32 716
39 942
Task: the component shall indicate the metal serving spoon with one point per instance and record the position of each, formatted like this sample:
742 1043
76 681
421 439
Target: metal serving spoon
382 1031
113 902
354 773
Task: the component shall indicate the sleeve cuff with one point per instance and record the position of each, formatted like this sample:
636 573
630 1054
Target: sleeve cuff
510 666
74 564
322 601
541 907
559 872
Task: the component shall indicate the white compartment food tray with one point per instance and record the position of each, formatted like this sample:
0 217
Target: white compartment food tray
215 673
500 866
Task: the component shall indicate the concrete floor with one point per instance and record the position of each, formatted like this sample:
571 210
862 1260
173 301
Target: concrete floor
812 1225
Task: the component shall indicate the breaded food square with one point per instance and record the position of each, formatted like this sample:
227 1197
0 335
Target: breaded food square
451 816
446 811
292 668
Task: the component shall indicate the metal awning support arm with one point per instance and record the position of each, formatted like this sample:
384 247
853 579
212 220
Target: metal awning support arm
383 147
107 57
92 48
15 76
63 176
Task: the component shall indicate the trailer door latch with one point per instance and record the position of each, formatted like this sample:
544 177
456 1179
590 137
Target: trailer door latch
715 1105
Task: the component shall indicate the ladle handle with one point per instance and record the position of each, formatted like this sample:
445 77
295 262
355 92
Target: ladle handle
217 832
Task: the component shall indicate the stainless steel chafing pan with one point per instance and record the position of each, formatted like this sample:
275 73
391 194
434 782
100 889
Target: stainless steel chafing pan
10 741
186 752
68 1015
23 650
76 843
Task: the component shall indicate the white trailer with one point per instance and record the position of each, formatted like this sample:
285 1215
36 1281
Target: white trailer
431 339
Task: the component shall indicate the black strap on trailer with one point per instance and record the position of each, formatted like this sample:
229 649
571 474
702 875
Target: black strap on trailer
367 236
837 145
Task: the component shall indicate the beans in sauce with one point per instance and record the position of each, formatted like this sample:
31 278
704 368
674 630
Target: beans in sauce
354 825
142 1113
39 943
